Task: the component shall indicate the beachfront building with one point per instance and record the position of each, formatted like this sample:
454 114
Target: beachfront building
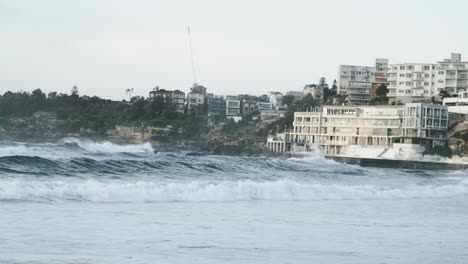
176 97
351 130
357 81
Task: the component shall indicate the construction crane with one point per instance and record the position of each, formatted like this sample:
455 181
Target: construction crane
191 56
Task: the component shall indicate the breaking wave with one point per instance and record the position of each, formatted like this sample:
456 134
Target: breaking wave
108 147
196 191
87 171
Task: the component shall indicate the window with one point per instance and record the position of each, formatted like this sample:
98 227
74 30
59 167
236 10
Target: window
401 91
410 67
408 91
441 72
401 83
426 68
409 75
408 83
440 81
426 75
402 68
426 83
402 75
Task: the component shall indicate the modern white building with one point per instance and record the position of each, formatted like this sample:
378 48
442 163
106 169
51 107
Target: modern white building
275 98
452 74
357 81
233 106
457 104
383 131
412 82
422 82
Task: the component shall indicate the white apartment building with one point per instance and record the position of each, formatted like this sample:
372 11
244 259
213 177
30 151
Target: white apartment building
275 98
411 82
357 81
457 104
233 106
361 130
452 74
422 82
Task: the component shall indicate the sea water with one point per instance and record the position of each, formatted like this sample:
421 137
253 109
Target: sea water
79 201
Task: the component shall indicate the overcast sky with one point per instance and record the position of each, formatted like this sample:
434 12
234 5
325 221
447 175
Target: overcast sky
241 46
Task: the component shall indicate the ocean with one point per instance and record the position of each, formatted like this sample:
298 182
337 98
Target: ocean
77 201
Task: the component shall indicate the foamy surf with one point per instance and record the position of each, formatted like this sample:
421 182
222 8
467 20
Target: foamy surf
226 191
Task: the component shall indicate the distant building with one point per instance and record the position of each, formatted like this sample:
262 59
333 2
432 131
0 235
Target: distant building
196 97
422 82
412 82
175 97
275 98
357 81
261 106
296 94
233 106
216 105
248 107
315 91
452 74
457 104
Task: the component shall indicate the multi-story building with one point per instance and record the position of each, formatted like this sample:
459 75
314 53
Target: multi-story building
296 94
452 74
383 131
233 106
175 97
196 97
457 104
262 106
357 81
275 98
216 105
422 82
248 107
315 91
362 74
412 82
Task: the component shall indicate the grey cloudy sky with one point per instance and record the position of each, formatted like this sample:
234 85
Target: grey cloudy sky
242 46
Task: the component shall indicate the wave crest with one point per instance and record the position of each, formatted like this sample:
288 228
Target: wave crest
246 190
108 147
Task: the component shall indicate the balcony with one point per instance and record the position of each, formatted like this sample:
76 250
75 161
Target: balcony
418 87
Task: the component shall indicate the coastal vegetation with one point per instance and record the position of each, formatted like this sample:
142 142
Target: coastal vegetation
81 112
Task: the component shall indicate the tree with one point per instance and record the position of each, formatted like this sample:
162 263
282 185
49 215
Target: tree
74 91
380 94
327 92
443 93
287 100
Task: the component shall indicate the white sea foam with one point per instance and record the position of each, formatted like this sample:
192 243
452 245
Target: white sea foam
108 147
146 191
